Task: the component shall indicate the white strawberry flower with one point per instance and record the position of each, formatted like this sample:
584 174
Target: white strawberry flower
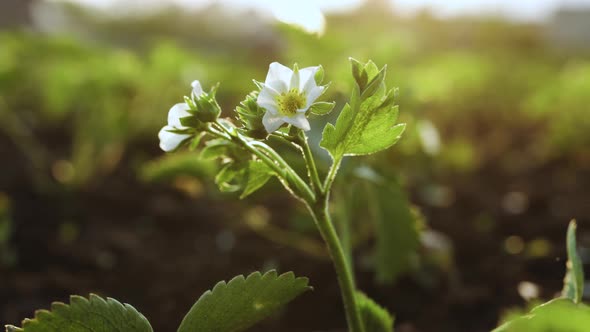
170 139
286 95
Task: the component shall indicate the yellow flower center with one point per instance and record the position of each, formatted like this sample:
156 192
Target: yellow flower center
289 102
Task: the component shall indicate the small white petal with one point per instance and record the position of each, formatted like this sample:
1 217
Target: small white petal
267 95
278 86
299 120
307 74
269 107
170 141
197 89
313 94
272 122
295 78
176 112
278 72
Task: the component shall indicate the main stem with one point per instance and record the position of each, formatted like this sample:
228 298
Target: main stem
343 271
308 156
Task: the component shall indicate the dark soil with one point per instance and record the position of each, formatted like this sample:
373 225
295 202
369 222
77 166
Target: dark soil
158 249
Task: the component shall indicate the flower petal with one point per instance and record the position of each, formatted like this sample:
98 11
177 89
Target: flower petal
170 141
176 112
267 95
307 74
295 78
197 89
278 86
272 122
299 120
313 94
270 108
278 72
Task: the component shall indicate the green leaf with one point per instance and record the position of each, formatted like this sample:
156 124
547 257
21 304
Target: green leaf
559 315
322 108
240 303
216 148
573 283
246 176
86 315
375 318
367 124
230 177
172 165
258 174
397 236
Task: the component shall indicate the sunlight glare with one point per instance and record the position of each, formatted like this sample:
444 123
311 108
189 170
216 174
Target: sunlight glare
304 14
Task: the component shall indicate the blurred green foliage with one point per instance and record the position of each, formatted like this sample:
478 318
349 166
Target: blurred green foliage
472 92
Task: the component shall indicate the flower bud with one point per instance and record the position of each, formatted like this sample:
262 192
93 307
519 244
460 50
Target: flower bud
207 108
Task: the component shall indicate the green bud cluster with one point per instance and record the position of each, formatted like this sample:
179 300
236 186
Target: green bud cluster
204 107
250 116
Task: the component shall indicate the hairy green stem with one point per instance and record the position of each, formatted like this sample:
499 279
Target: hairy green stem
317 201
332 174
284 172
343 271
322 218
309 161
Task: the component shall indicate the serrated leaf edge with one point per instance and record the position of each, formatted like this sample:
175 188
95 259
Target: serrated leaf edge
57 306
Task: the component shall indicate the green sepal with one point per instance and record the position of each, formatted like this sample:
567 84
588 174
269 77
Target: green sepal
322 108
187 131
191 104
207 108
259 134
250 116
258 84
213 90
573 283
319 75
375 318
242 302
190 121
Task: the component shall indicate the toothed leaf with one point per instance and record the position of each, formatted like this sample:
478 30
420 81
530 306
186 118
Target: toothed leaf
375 318
559 315
86 315
367 124
240 303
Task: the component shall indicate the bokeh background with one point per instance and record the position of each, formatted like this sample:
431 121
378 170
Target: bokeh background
494 163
